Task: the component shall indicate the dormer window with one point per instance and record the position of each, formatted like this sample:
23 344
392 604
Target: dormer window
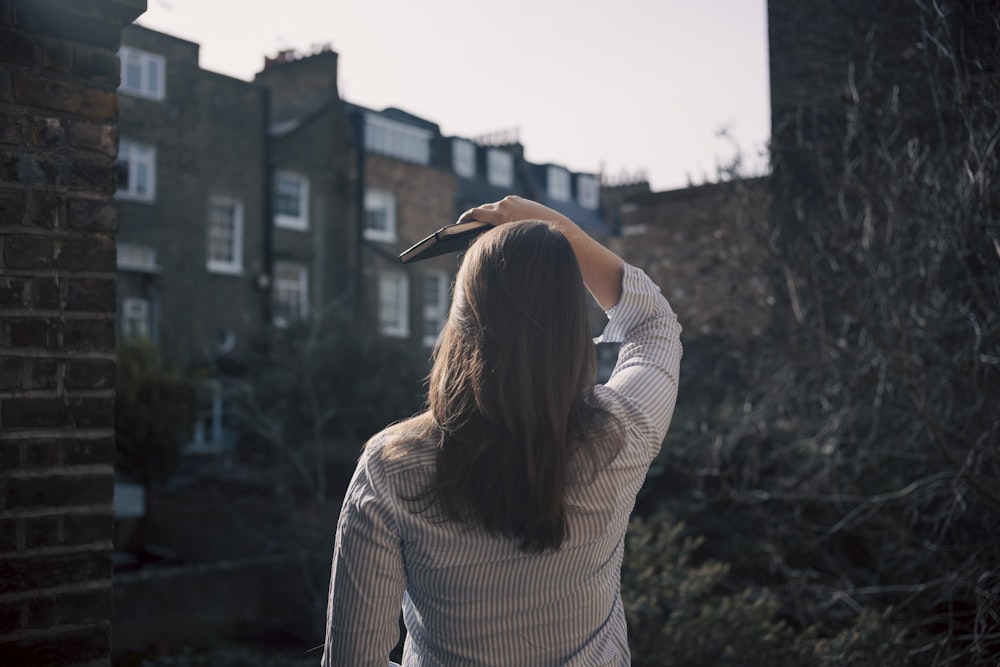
588 191
500 167
397 140
143 74
558 181
463 157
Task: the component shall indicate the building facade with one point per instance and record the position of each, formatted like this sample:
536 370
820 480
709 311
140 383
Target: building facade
192 184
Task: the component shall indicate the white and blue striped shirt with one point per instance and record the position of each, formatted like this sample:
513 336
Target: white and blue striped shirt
473 598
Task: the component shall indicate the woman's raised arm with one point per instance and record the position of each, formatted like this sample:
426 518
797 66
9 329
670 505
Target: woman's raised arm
602 269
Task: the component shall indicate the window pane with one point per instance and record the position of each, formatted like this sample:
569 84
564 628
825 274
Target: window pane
380 216
221 232
141 178
152 76
288 196
132 72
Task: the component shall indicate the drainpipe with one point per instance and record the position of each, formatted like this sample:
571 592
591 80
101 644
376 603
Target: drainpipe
358 123
266 279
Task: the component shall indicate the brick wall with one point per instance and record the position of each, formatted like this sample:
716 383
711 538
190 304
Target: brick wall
58 114
425 201
696 244
209 136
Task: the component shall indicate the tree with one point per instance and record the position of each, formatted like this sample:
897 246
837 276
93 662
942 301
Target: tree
155 404
864 465
322 390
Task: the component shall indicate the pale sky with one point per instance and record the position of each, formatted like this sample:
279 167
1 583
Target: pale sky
623 85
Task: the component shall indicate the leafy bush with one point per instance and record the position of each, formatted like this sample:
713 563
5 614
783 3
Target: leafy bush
155 404
682 612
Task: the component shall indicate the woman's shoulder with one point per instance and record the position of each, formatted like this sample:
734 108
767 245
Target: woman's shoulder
406 445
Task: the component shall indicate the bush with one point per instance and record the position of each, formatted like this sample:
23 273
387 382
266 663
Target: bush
681 612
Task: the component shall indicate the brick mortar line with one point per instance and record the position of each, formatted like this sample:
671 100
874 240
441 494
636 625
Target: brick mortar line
59 314
56 274
46 512
107 392
95 547
93 585
51 633
53 355
62 232
68 433
63 471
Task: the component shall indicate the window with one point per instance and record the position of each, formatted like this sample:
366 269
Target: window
291 201
136 171
463 157
225 235
143 74
135 319
134 257
435 305
291 293
213 431
397 140
558 181
500 167
380 216
394 304
588 193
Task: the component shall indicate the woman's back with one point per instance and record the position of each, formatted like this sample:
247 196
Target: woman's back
497 519
476 598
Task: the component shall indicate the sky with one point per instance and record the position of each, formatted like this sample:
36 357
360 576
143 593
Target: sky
668 88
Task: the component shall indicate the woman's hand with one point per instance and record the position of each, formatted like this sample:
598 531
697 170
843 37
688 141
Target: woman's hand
513 209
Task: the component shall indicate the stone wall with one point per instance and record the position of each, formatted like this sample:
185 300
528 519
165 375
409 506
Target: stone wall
58 219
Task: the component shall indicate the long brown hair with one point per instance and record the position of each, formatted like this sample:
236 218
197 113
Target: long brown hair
509 386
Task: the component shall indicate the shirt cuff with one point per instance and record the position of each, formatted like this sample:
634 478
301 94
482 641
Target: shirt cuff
641 298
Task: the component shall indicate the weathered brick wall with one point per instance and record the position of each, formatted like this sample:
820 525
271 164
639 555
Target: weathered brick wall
696 244
209 137
304 90
425 201
58 114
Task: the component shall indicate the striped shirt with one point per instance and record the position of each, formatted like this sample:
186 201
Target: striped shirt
474 598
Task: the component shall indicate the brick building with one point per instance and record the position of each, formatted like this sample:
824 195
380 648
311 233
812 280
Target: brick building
58 221
193 179
313 234
695 245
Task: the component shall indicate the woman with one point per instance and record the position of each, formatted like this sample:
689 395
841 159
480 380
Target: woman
497 517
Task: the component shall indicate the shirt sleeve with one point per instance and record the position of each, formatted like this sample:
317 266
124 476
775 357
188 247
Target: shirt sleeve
367 578
646 374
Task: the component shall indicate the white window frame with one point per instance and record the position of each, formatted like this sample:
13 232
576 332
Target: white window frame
136 257
394 304
288 289
150 86
463 157
232 266
210 433
588 191
436 310
558 181
385 202
298 222
138 158
135 318
398 140
500 167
